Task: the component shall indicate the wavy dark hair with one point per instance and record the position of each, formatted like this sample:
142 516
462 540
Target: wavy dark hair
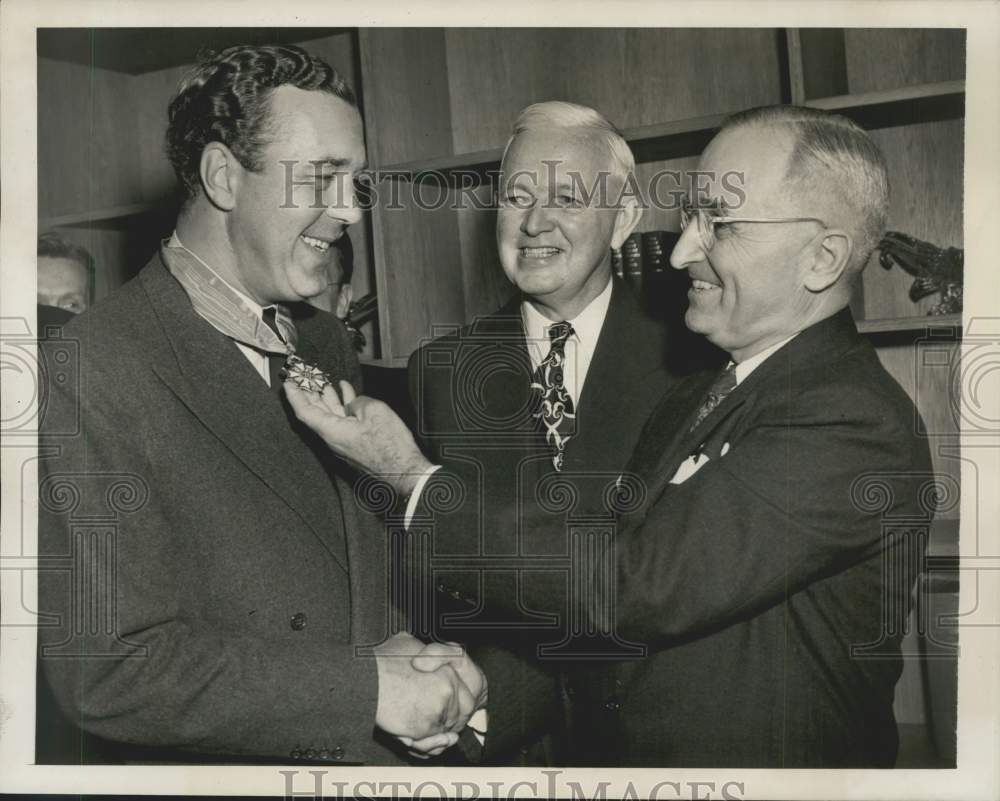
225 98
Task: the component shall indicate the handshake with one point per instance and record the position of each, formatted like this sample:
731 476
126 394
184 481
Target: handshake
426 693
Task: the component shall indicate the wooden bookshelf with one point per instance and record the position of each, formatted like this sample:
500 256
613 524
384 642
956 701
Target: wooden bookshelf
943 100
100 215
943 325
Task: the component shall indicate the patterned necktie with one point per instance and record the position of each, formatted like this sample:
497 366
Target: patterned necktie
721 387
555 408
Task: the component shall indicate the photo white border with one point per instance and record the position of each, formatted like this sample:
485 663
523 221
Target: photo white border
977 775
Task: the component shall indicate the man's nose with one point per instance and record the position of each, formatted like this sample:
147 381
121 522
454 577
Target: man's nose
342 205
536 220
688 249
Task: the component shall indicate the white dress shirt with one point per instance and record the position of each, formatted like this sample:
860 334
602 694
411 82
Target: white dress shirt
580 346
747 366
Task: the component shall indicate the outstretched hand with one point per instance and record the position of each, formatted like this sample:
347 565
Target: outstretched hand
362 430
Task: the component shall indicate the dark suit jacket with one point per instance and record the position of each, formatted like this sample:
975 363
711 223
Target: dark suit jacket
771 587
209 580
499 507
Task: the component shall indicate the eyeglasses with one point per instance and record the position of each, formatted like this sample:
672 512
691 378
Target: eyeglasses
706 219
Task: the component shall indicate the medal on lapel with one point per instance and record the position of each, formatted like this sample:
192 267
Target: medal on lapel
306 376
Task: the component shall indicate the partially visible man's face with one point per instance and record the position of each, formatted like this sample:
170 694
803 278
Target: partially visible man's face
747 292
279 233
62 283
552 244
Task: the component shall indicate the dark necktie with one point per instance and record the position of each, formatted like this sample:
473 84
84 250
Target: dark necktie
555 408
275 361
721 387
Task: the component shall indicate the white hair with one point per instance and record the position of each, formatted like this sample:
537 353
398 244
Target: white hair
832 155
559 114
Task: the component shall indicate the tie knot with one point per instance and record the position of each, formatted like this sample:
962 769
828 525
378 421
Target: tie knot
725 383
559 333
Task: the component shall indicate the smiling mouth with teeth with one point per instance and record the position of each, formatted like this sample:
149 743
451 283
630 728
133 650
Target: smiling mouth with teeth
316 244
538 253
703 286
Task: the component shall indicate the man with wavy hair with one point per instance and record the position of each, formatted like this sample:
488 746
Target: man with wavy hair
245 616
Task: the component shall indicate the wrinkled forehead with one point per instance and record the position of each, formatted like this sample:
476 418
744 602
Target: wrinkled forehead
743 168
544 156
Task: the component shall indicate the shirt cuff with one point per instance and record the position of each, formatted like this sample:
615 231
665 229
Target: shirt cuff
418 488
479 721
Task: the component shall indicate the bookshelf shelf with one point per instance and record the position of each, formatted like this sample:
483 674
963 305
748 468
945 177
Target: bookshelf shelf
107 214
688 137
669 140
941 325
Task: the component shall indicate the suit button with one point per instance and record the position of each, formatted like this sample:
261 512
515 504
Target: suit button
456 595
338 753
296 754
324 753
441 587
613 705
310 753
298 621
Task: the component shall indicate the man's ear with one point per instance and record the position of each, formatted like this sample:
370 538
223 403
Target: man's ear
220 173
626 220
344 298
829 260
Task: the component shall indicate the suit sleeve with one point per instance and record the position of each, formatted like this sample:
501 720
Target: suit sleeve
797 497
156 672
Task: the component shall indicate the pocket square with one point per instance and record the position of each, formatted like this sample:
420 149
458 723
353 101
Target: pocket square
689 467
694 463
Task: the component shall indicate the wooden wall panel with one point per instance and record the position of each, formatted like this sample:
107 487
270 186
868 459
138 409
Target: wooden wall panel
927 380
633 76
492 74
925 171
86 147
150 119
420 276
485 287
886 58
657 181
407 114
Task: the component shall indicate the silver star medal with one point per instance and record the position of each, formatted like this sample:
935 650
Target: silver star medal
306 376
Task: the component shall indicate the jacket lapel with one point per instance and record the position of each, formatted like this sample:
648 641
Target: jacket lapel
220 387
818 343
601 423
507 393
